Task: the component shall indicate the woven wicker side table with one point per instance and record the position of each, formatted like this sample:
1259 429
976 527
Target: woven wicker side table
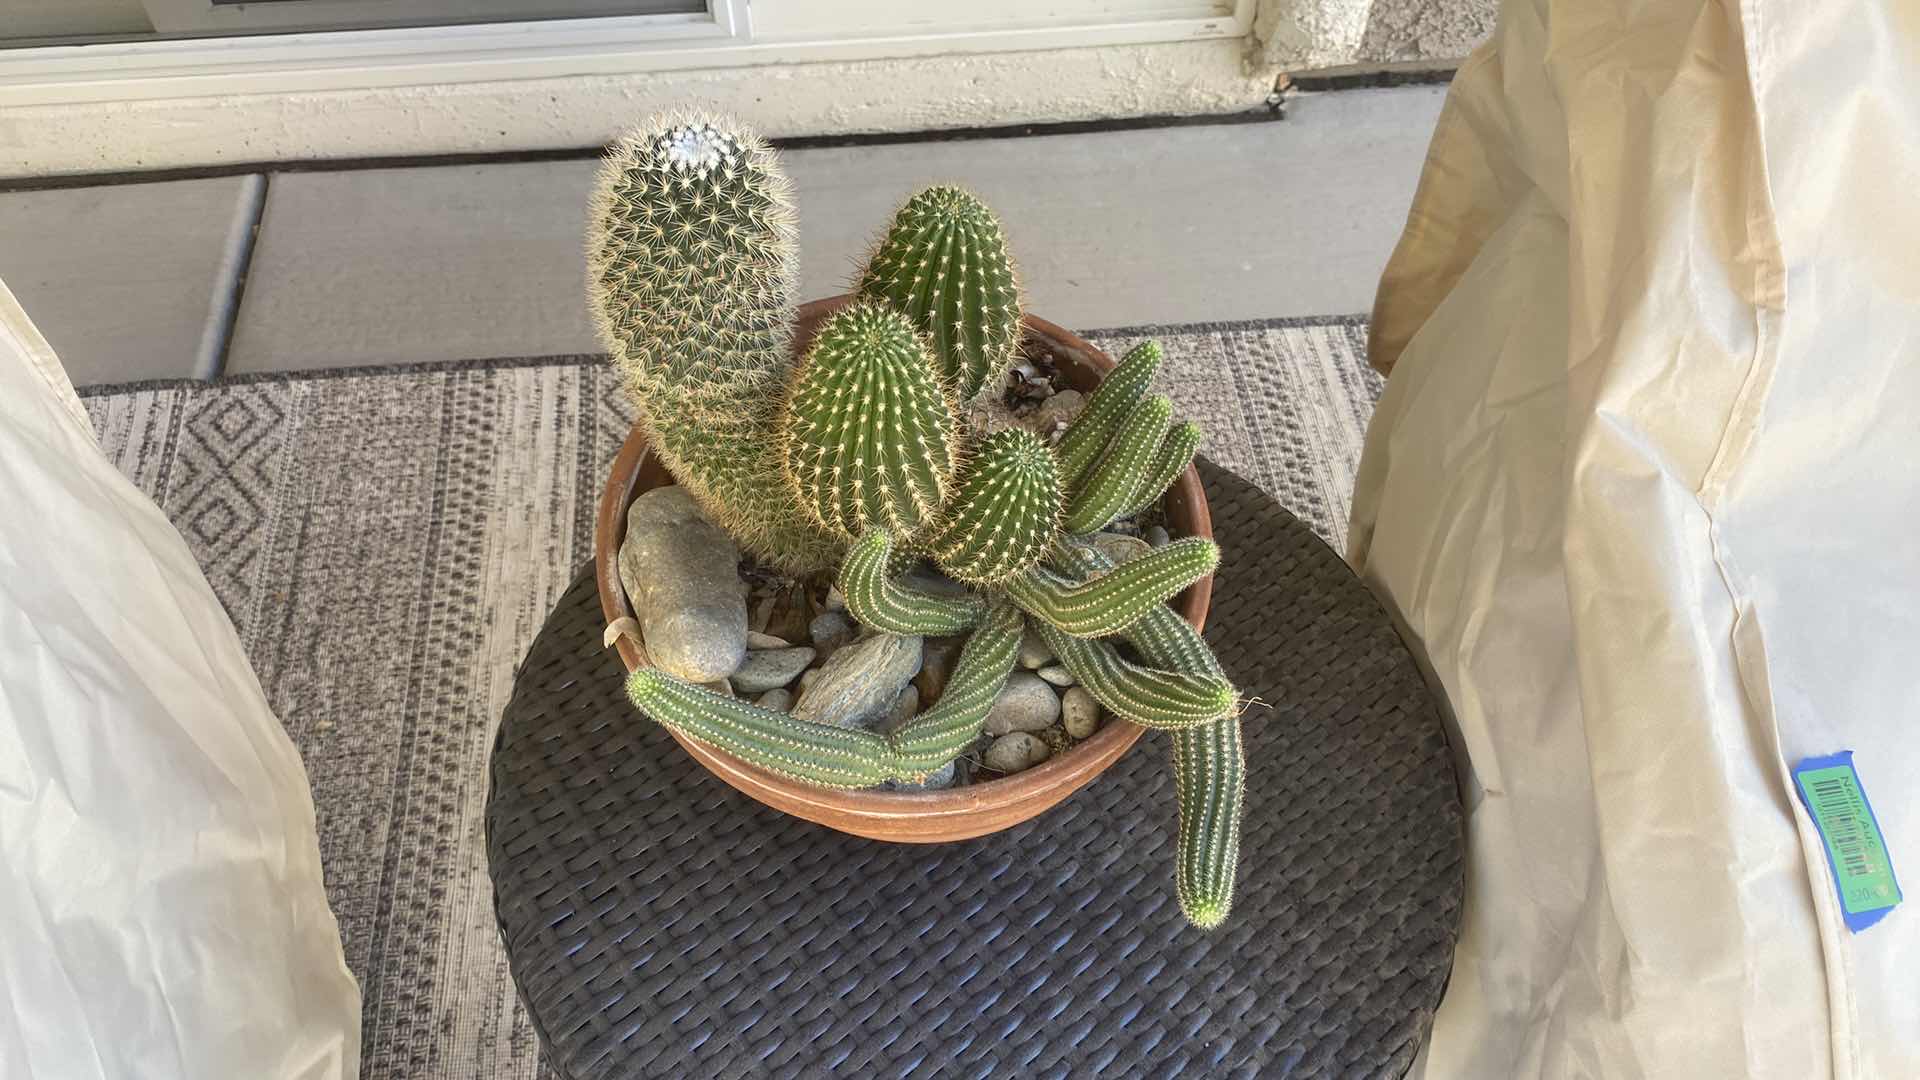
660 925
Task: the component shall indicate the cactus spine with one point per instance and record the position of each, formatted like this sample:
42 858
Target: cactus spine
1006 513
691 270
836 757
944 264
1209 762
869 440
877 601
1108 603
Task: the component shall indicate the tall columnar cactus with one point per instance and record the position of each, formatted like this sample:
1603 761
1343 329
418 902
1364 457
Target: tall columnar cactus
836 757
944 264
691 270
869 439
1006 513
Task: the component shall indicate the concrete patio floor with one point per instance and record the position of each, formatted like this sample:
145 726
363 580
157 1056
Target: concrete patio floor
279 271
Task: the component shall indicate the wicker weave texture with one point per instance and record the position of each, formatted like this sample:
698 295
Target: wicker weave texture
659 924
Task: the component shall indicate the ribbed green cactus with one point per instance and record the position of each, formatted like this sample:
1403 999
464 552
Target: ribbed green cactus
1209 764
869 438
691 270
1006 513
1087 437
1173 457
1110 602
1110 487
944 264
1149 696
836 757
878 601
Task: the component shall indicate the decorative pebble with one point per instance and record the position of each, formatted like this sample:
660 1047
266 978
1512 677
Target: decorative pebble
903 707
860 682
681 573
779 699
1034 653
807 678
1014 752
1057 674
763 613
764 669
1055 413
758 640
1025 704
1079 712
1158 537
1121 549
937 666
830 630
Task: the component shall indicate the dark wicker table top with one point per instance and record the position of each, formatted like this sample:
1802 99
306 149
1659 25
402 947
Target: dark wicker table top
659 924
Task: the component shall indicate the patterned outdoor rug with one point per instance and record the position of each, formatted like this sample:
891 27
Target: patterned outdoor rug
388 542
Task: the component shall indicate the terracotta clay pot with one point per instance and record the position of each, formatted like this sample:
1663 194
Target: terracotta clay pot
958 813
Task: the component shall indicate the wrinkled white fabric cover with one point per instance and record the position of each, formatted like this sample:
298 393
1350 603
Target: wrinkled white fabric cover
1645 486
161 908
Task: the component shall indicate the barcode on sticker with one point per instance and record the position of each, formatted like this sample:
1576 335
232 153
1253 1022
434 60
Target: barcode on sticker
1856 852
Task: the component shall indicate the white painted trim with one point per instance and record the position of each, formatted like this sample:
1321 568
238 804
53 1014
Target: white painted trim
614 46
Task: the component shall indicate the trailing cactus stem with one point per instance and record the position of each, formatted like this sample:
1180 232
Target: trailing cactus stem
1112 400
834 757
1172 459
943 732
1110 602
1148 696
1209 777
818 754
868 438
1110 487
943 263
877 601
1006 514
1209 762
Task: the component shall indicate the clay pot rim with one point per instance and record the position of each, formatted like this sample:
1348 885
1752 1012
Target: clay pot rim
914 817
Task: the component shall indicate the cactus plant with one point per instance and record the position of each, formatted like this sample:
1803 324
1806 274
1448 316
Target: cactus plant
1087 437
944 264
858 456
868 438
691 270
1006 513
1108 603
1209 764
874 598
1109 489
1175 454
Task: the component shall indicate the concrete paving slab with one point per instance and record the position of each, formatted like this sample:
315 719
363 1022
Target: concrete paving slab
129 281
1185 224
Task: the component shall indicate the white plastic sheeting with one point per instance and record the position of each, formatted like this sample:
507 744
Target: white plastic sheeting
161 908
1645 486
